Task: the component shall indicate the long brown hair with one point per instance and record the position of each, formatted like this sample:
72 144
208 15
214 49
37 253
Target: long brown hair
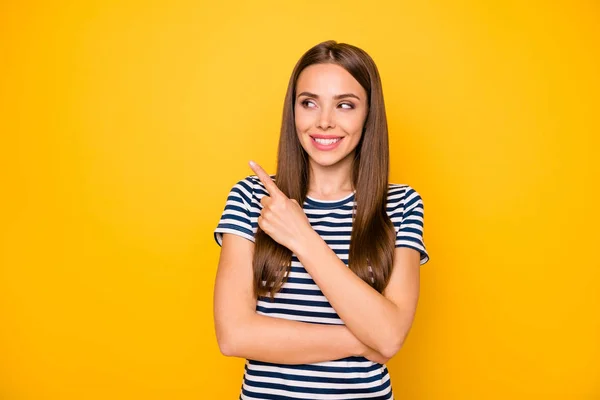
373 235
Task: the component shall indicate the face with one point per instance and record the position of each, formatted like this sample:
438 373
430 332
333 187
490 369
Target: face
330 112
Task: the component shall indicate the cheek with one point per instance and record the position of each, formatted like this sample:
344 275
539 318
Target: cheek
352 124
302 120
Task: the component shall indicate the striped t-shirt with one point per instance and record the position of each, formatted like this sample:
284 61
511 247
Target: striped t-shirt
300 299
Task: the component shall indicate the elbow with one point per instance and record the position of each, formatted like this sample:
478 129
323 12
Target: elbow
393 341
391 347
390 351
227 344
231 337
226 348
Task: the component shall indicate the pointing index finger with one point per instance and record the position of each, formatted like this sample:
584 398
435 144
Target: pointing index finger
265 179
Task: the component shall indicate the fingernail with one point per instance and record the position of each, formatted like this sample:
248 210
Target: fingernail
252 163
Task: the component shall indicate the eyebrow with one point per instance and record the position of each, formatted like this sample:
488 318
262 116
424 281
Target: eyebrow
336 97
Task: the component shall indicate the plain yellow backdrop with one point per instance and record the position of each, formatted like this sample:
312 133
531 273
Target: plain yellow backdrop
125 123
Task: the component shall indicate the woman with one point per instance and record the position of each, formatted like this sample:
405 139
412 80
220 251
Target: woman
318 278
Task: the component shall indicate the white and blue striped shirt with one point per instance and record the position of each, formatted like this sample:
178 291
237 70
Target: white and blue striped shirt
300 299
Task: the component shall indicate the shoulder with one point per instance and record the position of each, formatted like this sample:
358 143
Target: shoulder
258 188
243 188
250 188
402 197
402 192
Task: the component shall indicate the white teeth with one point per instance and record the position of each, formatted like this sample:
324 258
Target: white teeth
326 141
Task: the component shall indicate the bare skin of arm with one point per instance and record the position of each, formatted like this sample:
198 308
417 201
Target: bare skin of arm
379 320
241 332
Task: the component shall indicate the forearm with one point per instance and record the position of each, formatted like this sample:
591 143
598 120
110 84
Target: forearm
262 338
370 316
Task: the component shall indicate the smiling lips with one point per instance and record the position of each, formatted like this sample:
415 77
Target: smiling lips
325 142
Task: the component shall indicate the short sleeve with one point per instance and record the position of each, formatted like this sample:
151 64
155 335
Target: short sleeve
410 233
236 213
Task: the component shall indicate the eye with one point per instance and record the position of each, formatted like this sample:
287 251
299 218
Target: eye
350 106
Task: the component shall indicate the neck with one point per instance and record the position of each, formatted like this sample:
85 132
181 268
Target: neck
331 181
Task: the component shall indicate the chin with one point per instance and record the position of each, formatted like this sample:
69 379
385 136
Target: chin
325 160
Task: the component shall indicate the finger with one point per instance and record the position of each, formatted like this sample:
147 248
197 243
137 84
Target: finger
263 222
259 220
265 179
265 201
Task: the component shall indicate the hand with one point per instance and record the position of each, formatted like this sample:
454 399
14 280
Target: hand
281 218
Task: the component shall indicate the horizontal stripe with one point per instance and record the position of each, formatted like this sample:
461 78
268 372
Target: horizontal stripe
300 298
329 367
299 313
314 381
302 318
297 302
323 389
245 395
280 394
278 304
301 291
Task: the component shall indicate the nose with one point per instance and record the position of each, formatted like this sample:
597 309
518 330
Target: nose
325 119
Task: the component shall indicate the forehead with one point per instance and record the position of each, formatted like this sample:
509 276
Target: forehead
328 80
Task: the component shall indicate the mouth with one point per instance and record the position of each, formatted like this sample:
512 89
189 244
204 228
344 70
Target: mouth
326 143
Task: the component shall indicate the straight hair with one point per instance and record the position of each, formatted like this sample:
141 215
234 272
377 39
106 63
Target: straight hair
372 240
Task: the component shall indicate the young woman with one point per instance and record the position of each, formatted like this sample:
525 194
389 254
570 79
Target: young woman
318 277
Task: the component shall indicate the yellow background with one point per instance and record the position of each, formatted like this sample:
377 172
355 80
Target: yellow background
125 123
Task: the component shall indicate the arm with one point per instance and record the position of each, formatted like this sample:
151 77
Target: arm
241 332
382 322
